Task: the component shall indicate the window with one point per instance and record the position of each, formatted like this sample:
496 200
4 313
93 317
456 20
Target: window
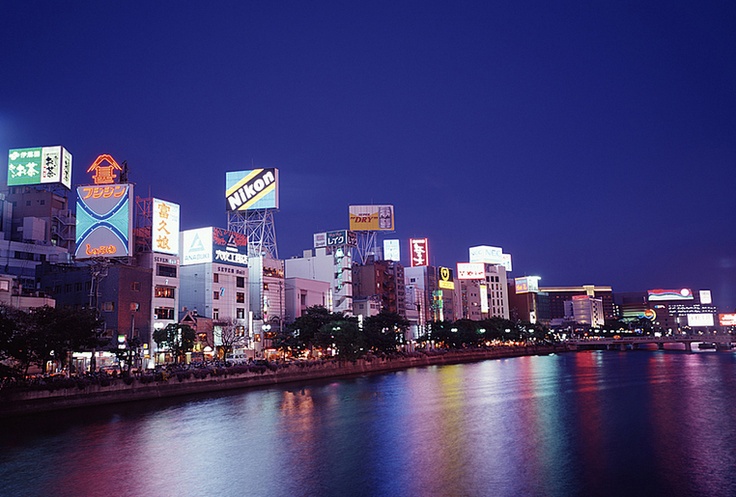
163 313
28 203
164 292
108 306
265 286
42 202
4 286
215 314
216 295
240 313
67 288
216 278
78 286
240 298
166 270
240 282
135 286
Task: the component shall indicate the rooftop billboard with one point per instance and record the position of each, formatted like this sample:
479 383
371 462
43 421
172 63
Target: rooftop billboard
392 250
727 319
104 221
527 284
487 254
660 294
40 165
446 280
165 227
471 271
210 244
252 189
419 252
371 217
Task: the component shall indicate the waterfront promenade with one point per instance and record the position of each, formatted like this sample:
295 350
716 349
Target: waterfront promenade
82 392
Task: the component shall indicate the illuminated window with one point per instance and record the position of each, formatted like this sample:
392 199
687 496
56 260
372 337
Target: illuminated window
240 298
163 313
165 292
108 306
215 313
216 295
4 286
240 313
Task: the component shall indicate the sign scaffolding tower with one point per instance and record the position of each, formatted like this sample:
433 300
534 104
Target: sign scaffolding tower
259 227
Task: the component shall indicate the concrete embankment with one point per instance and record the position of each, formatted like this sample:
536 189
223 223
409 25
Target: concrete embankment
18 402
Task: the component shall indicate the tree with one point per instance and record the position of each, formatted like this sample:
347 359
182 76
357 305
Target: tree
304 328
230 333
178 338
344 337
385 331
56 332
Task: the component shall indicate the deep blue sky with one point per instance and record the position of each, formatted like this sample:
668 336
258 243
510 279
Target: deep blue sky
594 141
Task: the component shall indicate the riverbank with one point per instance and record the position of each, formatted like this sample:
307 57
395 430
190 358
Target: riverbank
17 402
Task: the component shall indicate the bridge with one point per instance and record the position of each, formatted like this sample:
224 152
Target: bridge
722 341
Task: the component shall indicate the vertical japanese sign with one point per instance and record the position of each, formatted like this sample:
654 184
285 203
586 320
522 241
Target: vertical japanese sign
165 228
419 252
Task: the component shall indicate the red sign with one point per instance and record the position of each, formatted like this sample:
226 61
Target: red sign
418 251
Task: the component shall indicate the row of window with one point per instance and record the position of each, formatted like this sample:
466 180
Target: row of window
239 280
239 296
239 313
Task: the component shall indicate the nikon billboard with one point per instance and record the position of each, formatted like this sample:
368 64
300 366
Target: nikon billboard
253 189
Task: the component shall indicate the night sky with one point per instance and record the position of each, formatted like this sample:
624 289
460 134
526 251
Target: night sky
594 141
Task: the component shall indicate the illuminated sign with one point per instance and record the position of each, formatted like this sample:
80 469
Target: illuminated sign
527 284
39 165
659 294
103 170
341 238
213 245
446 278
484 299
320 240
229 247
727 319
104 221
700 320
196 246
252 189
419 252
506 262
165 227
392 250
649 314
486 254
371 217
471 271
705 297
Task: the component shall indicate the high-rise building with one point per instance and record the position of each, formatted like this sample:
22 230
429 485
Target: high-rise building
385 281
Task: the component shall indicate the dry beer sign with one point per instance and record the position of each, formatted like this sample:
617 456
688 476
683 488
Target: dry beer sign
104 219
253 189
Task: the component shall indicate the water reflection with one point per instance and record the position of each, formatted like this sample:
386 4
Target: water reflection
593 423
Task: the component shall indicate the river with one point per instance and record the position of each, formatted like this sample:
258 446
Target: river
598 423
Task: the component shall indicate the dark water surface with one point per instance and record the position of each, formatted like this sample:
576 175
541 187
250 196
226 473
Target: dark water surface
580 424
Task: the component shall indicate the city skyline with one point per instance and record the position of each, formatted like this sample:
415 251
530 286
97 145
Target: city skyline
595 145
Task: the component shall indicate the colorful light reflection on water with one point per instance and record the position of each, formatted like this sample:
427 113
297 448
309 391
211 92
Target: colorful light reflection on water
584 424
